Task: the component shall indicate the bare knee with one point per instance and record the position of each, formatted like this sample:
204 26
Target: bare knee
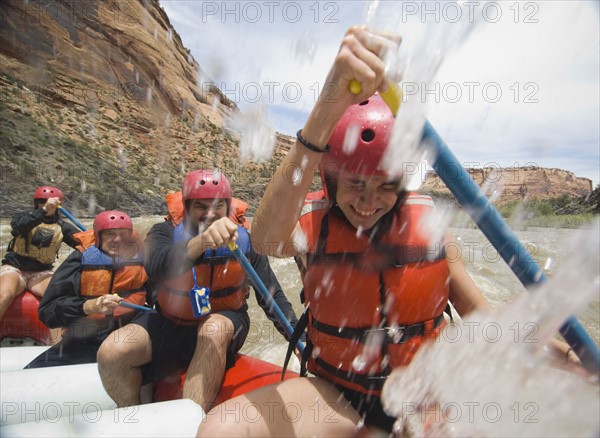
217 328
39 288
129 345
10 286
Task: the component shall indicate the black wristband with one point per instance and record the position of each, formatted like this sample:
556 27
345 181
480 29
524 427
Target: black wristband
311 146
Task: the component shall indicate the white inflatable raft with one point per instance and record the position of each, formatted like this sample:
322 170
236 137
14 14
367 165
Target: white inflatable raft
175 418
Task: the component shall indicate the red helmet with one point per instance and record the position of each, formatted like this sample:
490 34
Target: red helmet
206 184
372 121
47 192
108 220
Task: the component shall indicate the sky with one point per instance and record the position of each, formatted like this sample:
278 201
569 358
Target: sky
506 84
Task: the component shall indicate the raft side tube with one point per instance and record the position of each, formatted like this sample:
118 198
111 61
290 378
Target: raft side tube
17 358
177 418
44 395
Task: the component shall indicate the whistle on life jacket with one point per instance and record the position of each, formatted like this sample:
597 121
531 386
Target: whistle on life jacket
200 299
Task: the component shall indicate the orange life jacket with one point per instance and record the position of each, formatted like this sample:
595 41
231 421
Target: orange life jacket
370 305
216 269
101 275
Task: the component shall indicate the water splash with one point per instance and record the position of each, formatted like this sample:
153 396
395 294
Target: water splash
493 186
300 241
492 375
149 95
92 203
351 139
216 102
434 224
122 156
304 48
415 61
257 138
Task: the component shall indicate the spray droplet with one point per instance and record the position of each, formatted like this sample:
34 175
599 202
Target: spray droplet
316 352
351 139
395 332
359 363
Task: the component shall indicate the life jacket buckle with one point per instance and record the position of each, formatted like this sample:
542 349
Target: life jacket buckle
396 333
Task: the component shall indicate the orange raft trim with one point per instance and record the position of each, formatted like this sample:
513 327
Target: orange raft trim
248 373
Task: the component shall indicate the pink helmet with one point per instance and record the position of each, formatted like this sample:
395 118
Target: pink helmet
206 184
373 121
47 192
108 220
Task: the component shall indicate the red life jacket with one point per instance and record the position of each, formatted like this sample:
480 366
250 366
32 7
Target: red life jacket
222 274
370 305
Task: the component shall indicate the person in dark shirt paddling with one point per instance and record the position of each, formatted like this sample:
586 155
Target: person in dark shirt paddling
186 253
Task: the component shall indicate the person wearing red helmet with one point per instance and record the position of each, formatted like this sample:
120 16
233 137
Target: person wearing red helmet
37 238
86 291
186 252
375 285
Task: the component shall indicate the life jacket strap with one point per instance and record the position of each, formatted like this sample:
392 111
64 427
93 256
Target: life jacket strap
296 335
370 382
398 334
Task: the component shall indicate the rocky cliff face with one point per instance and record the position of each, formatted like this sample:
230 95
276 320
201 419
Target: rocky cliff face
519 183
101 99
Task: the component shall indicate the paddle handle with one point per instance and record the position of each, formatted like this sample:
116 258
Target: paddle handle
72 219
262 290
392 96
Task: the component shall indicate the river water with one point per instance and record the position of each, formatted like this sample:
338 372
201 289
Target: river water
488 270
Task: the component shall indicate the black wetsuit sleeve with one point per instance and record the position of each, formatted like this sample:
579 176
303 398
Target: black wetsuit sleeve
61 304
68 230
261 265
23 223
165 258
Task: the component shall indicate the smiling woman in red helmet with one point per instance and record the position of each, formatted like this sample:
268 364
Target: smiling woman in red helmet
37 237
375 286
185 253
87 288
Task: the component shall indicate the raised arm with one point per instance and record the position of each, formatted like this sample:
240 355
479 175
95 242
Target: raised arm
279 210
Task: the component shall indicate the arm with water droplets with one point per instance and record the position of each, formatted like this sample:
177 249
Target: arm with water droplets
278 213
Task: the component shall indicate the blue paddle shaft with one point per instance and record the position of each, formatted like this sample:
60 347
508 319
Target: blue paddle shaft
489 221
262 290
134 306
72 219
